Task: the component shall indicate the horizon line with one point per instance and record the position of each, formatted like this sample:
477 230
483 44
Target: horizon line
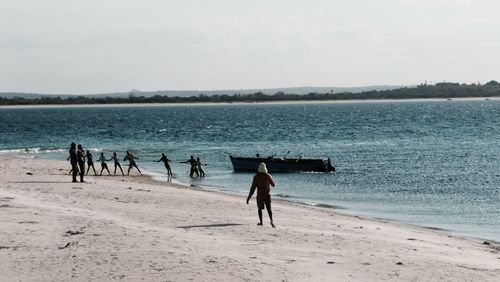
206 90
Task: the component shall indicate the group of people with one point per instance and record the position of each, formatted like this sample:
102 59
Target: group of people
104 166
77 157
262 181
196 167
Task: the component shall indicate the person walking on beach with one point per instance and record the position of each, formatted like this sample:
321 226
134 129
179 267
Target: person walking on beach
200 169
90 162
166 161
73 160
194 168
80 153
261 181
117 163
131 162
104 165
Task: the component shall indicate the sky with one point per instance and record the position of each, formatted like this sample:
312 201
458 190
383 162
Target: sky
90 46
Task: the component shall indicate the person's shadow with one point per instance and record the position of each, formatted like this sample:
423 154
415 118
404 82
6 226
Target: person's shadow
209 225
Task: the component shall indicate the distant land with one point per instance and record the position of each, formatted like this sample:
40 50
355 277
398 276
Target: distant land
190 93
423 91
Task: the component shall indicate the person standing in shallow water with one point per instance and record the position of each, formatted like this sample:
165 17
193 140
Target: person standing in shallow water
73 160
131 162
194 166
199 165
117 163
262 182
166 161
80 153
90 162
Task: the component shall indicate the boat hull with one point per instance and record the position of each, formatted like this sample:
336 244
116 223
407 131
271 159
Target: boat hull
241 164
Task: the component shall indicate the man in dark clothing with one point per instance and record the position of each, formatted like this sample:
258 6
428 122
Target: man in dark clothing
194 166
166 161
261 181
131 162
73 160
80 155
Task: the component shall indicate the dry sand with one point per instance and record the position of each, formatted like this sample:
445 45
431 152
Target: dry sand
134 229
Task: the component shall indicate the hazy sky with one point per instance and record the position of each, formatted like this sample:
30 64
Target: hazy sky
89 46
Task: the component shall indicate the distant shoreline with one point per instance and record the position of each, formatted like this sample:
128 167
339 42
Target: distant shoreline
288 102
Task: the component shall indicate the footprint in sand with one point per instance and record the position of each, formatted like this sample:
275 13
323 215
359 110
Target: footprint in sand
68 245
6 199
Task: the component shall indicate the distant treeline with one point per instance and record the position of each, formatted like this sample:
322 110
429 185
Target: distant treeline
439 90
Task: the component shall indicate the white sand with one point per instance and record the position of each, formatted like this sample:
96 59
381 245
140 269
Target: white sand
133 229
257 103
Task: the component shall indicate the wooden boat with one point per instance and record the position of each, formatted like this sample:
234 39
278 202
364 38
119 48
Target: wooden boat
282 164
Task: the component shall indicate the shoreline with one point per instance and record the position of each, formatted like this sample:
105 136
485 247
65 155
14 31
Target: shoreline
320 206
135 228
154 177
326 207
288 102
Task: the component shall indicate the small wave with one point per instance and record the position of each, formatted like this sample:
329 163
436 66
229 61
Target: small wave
32 150
317 172
95 149
327 206
283 195
38 150
11 151
435 228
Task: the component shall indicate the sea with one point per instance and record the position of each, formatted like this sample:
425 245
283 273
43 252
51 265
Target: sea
433 164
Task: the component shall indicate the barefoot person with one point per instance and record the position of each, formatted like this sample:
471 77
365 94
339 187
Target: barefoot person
80 154
90 162
117 163
104 165
166 161
73 160
71 170
262 180
131 162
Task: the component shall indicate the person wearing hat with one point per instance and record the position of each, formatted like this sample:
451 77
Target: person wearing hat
262 182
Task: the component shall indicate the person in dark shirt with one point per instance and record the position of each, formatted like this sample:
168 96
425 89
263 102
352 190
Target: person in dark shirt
90 162
262 182
117 163
80 154
199 165
194 167
166 161
131 162
73 160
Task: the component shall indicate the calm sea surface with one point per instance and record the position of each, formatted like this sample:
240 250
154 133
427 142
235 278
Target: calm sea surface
433 164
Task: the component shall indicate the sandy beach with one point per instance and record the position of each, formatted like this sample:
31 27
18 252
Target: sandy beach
208 104
135 229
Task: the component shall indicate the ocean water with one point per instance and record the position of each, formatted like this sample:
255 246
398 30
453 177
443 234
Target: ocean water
431 163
